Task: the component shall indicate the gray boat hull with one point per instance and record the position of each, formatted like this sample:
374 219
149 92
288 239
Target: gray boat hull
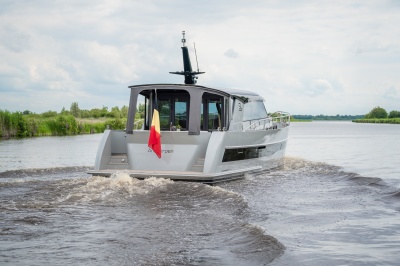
209 157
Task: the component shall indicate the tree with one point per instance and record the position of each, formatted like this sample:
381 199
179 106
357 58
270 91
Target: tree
124 111
377 112
104 111
141 110
64 112
115 112
95 113
49 114
85 113
75 111
394 114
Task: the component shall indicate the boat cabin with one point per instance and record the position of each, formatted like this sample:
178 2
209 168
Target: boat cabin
194 108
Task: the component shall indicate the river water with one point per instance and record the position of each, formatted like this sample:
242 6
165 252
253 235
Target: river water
335 202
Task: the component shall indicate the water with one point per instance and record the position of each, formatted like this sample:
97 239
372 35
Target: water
48 152
335 202
366 149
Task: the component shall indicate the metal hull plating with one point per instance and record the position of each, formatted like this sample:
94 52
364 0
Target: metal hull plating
208 157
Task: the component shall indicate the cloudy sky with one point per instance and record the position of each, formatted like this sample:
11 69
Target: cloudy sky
304 57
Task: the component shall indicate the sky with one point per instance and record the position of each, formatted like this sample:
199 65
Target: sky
303 57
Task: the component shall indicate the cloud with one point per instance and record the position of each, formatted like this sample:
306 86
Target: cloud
14 40
392 93
231 53
291 53
318 87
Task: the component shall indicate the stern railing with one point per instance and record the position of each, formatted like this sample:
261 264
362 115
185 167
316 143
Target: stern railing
276 120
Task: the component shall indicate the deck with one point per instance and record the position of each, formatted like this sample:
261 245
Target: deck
190 176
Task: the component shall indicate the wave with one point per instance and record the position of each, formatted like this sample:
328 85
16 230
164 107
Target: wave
190 223
186 219
395 194
122 187
40 172
119 185
304 167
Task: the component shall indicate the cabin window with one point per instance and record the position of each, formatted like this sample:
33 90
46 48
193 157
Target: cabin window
212 112
181 108
254 110
173 108
141 119
164 107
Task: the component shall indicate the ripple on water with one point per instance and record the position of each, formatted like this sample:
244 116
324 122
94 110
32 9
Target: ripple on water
120 220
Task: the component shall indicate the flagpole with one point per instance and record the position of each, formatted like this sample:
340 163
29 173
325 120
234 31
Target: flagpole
155 100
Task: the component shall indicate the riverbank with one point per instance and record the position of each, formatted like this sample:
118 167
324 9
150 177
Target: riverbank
299 120
378 120
32 125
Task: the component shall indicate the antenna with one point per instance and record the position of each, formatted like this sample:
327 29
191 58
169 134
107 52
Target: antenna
183 38
190 75
197 62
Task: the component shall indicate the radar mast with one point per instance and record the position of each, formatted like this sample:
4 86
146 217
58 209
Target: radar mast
190 75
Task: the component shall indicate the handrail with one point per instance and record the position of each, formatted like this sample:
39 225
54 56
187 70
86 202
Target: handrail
279 119
283 116
258 122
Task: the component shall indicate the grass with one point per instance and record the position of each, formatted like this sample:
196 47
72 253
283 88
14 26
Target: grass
17 124
378 120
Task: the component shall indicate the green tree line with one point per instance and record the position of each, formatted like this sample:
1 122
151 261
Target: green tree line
380 115
326 117
103 112
376 115
67 122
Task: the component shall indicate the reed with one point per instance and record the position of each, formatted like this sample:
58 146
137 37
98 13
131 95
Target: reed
17 124
378 120
11 124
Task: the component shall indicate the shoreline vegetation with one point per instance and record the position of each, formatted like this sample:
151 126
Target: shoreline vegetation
378 120
76 121
310 118
377 115
51 123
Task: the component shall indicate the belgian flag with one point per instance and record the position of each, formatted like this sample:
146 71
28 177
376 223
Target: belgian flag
155 133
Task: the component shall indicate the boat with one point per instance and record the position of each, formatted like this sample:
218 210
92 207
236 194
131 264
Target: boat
207 135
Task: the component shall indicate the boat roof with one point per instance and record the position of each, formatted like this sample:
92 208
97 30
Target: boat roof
225 91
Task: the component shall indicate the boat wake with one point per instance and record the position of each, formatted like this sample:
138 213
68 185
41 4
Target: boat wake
318 210
304 211
159 220
43 173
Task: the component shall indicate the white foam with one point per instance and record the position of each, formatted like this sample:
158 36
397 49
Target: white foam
157 182
114 188
220 190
